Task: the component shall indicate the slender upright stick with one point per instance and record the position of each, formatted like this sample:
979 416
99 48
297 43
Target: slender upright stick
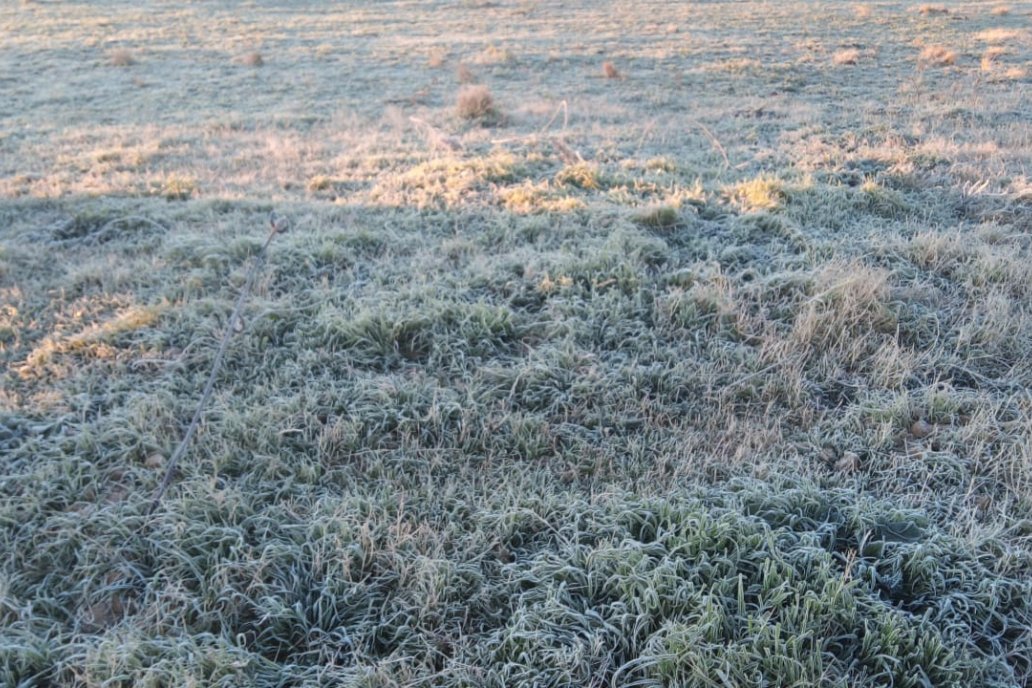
278 225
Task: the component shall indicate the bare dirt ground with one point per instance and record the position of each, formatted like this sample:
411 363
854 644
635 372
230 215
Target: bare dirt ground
657 343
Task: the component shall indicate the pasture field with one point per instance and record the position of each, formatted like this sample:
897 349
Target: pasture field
610 344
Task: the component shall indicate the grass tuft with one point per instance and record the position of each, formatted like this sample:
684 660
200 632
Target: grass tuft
475 102
658 217
121 58
991 57
848 56
937 55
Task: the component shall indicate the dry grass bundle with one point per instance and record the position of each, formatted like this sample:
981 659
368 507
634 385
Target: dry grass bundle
991 56
475 102
937 55
849 56
121 58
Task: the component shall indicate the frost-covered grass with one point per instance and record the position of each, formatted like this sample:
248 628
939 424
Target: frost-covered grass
714 373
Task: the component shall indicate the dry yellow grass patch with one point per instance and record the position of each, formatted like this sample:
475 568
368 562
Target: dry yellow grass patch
849 56
319 182
96 341
990 57
541 197
998 35
475 102
493 55
176 187
762 193
937 55
740 65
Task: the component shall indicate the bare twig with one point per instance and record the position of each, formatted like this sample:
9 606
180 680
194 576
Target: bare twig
569 155
564 108
277 225
713 140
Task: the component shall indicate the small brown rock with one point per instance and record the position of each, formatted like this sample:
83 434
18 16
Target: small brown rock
921 428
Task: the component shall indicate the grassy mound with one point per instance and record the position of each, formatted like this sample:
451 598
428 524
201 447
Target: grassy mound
746 585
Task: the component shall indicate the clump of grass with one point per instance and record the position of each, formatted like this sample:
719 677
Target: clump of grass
998 35
452 180
464 74
529 197
437 58
475 102
610 71
991 56
937 55
762 193
658 217
881 201
493 55
320 182
661 164
121 58
849 316
177 187
580 175
848 56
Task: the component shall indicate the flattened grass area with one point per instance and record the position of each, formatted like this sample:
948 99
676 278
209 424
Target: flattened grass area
713 374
